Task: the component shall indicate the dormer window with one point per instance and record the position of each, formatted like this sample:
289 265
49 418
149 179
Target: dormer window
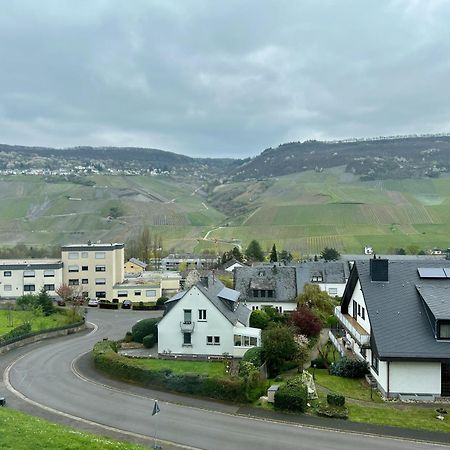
261 273
443 329
317 278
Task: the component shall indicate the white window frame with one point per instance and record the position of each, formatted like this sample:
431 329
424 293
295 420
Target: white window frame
7 287
149 291
73 255
100 255
100 281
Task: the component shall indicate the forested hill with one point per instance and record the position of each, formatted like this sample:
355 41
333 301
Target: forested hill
394 157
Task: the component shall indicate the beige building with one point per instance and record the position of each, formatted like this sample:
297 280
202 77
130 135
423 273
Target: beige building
134 267
93 269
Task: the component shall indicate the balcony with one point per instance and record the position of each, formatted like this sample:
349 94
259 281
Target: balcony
353 327
187 327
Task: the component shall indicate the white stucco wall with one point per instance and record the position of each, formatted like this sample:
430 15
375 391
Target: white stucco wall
282 306
359 298
340 288
170 337
415 377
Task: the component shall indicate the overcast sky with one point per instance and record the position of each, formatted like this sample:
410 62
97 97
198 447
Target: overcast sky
221 78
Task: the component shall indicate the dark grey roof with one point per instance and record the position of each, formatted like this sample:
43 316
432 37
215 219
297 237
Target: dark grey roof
231 262
331 272
280 279
91 247
224 299
32 266
437 298
138 262
400 328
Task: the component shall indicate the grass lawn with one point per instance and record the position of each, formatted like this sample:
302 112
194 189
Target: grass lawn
399 415
350 387
37 324
213 368
22 432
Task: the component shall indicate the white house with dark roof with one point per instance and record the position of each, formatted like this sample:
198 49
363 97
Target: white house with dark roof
206 320
396 316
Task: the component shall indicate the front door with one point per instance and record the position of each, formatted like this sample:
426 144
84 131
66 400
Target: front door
445 379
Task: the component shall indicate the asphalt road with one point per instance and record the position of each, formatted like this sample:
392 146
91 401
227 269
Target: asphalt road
45 377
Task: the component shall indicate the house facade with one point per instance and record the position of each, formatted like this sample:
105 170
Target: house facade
396 316
93 269
206 321
134 267
173 261
19 277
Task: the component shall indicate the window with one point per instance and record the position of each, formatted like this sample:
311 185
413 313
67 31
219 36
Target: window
84 268
7 287
237 340
246 341
100 294
187 316
84 281
263 293
84 254
443 329
100 268
7 273
355 309
253 341
187 339
375 362
99 255
137 293
363 312
73 255
28 273
212 340
150 293
359 309
332 291
74 282
29 287
49 287
73 268
49 273
270 294
122 293
255 293
202 314
100 281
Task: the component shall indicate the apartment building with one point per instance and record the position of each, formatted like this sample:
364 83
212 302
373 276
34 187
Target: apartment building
19 277
93 269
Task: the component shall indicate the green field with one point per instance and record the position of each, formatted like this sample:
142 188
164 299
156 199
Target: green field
37 323
302 212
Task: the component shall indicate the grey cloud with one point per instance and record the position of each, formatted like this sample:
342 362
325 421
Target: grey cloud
221 78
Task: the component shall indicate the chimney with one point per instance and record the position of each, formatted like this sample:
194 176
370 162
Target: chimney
379 269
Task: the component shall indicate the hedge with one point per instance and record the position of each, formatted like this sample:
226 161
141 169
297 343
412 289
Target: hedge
144 307
222 388
350 368
335 399
292 396
255 356
143 328
17 332
104 305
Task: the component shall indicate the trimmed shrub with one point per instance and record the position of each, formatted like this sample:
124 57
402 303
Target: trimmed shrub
336 412
222 388
161 300
293 396
145 307
144 328
350 368
335 399
104 305
255 356
128 336
149 341
17 332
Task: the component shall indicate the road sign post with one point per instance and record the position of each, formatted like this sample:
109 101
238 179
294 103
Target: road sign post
155 412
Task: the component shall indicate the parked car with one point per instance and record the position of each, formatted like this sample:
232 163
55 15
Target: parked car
126 304
93 302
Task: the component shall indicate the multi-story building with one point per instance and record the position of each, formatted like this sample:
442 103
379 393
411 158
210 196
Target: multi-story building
19 277
93 269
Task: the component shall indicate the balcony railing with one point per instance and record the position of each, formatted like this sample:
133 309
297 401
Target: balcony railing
187 327
353 327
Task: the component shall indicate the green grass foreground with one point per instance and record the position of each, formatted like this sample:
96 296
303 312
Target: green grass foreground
20 431
37 323
212 369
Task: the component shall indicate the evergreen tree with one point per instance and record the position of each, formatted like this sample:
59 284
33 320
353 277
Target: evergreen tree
274 254
254 251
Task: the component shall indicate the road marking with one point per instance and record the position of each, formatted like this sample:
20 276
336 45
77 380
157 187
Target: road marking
80 419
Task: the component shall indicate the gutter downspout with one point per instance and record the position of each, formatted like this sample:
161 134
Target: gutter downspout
388 393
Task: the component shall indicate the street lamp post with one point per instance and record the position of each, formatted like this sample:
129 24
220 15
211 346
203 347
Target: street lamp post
314 371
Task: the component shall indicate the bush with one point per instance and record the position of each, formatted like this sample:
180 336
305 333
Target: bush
255 356
128 336
17 332
293 396
335 399
319 363
149 341
306 322
144 328
335 412
145 307
104 305
350 368
222 388
259 319
161 300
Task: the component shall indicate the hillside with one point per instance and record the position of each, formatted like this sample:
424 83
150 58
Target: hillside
397 157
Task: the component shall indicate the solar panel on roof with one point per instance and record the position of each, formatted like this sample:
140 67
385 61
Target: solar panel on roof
229 294
431 272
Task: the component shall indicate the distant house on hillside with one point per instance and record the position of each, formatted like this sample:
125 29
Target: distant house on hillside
173 261
230 265
208 319
134 266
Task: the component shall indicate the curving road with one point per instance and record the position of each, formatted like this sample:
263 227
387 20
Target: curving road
47 377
